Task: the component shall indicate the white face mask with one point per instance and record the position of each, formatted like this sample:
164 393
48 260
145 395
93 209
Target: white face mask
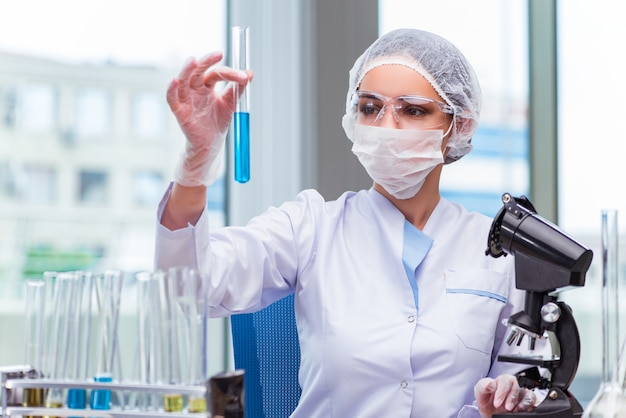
398 159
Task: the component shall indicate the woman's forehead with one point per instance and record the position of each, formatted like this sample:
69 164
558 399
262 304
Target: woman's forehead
396 80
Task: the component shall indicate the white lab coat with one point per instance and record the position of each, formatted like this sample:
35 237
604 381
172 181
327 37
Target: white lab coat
367 350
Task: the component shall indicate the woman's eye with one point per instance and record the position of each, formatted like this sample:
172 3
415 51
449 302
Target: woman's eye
369 109
414 111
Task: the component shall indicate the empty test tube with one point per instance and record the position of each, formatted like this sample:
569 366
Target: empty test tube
241 118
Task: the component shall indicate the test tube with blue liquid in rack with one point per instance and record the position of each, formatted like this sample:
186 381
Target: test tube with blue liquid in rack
108 293
241 118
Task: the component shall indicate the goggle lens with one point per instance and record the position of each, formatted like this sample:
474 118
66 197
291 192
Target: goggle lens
410 111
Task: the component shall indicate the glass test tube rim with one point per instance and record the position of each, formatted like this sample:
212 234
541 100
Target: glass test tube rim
64 307
241 61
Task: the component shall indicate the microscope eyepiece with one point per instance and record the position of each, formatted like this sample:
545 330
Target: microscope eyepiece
550 256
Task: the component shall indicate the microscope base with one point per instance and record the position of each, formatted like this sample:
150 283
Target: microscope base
558 404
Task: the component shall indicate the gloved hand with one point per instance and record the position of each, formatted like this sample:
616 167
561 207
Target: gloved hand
502 394
204 116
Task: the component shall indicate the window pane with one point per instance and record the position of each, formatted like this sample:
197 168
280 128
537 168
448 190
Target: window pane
95 80
40 184
494 41
148 188
93 113
10 180
37 109
591 167
148 116
9 107
93 188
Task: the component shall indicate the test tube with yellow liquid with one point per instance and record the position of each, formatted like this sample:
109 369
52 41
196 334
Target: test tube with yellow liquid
33 339
172 350
191 321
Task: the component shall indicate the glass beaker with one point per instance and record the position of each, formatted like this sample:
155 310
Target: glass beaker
610 400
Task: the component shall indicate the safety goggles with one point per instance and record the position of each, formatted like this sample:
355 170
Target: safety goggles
409 111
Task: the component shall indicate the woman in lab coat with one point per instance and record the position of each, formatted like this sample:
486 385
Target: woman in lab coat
397 305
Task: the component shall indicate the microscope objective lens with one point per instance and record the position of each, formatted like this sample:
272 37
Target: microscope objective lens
512 337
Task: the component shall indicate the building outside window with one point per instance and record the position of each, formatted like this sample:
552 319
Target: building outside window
9 106
147 188
37 109
40 184
93 187
82 102
148 115
93 113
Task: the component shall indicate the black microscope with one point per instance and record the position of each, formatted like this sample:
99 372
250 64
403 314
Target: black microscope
547 261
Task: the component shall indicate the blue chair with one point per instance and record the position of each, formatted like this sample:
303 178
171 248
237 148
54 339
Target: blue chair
265 345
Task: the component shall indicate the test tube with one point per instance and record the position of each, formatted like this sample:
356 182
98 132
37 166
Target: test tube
192 316
241 118
81 335
193 305
108 292
173 349
33 338
64 305
149 332
50 280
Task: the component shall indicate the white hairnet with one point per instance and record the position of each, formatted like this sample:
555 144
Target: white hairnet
445 68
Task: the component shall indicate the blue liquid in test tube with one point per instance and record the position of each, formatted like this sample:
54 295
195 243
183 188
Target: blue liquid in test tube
101 398
79 347
108 292
77 398
241 132
241 118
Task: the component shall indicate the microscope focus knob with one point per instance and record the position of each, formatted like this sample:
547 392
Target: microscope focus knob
550 312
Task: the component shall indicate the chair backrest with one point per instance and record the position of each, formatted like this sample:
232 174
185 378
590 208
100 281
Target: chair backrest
265 345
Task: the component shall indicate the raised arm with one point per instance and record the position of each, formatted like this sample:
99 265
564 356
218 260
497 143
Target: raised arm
204 115
184 206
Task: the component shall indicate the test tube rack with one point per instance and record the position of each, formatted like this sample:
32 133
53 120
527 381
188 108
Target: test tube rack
14 381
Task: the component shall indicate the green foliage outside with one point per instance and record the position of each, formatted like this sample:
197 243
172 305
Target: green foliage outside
42 259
